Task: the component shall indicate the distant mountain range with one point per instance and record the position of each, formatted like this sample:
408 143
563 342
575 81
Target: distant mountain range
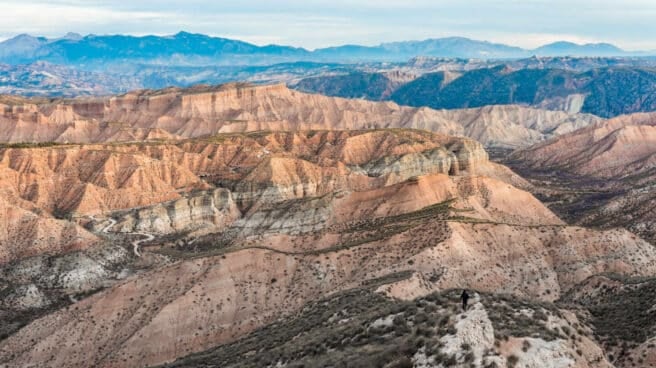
371 80
187 49
440 73
604 91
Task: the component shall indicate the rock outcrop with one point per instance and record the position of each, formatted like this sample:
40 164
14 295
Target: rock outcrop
35 286
361 328
214 209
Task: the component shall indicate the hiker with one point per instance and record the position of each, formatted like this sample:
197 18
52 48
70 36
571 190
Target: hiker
465 298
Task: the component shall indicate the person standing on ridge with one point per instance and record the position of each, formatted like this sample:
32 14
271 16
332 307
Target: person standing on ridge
464 297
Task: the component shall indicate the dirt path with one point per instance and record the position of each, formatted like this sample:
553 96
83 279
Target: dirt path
135 243
108 227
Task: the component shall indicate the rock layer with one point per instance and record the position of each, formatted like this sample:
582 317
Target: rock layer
615 159
203 111
77 181
256 226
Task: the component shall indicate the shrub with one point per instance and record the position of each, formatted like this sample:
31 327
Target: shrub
526 345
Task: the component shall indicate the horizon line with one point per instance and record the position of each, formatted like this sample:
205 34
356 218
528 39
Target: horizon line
141 35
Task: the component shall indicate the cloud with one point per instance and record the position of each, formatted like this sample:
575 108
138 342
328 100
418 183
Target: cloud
51 19
319 23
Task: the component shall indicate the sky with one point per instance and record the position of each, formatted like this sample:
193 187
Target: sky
319 23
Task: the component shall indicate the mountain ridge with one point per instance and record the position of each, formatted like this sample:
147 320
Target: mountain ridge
204 214
176 113
82 50
574 49
615 158
605 91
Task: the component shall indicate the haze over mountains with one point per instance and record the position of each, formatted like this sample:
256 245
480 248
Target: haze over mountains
195 49
438 73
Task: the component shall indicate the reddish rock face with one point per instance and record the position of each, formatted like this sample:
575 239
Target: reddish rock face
198 112
615 148
83 180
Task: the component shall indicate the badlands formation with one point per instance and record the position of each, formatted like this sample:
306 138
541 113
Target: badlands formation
612 164
205 111
171 229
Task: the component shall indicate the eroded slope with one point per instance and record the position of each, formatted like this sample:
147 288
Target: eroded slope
288 218
601 175
202 111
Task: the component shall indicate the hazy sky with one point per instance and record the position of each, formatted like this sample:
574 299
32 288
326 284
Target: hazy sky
630 24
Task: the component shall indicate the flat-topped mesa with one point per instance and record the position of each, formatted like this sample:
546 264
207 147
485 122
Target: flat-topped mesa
247 100
201 102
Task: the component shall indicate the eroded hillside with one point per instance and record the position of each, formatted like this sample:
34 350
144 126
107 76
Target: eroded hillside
229 233
360 328
602 175
205 111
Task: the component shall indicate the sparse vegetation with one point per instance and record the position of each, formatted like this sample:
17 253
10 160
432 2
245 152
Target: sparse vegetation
624 315
342 330
359 328
29 145
611 91
355 234
507 321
